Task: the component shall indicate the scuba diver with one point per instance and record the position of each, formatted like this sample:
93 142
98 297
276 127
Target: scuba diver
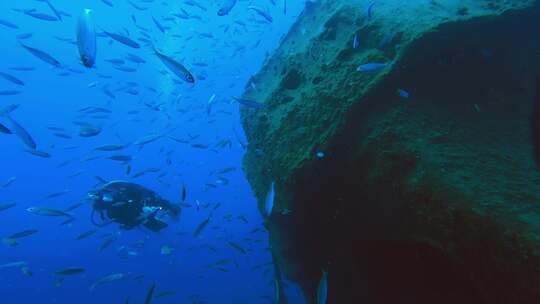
130 205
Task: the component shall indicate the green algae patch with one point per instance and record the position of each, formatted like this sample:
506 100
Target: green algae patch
310 83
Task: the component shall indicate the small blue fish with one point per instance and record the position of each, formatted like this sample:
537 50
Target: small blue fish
177 68
8 24
53 9
262 13
40 16
322 288
88 130
42 55
38 153
123 40
108 2
140 8
226 7
18 130
269 201
116 61
135 58
24 36
9 92
11 78
125 69
250 103
158 25
371 67
22 68
402 93
370 10
356 42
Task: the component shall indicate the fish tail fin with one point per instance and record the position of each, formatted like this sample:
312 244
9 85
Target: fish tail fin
5 111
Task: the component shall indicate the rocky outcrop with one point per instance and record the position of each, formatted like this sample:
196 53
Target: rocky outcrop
434 198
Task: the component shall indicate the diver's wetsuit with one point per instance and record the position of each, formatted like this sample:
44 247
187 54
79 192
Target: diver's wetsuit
131 205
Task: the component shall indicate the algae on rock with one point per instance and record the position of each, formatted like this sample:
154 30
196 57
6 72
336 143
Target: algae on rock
431 198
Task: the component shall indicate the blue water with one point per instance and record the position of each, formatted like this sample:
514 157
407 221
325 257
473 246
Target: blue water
53 99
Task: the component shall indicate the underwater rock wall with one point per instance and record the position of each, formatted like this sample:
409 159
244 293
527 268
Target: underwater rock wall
430 198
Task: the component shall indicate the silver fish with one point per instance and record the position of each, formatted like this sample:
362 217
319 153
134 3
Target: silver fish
38 153
22 234
70 271
262 13
88 130
41 16
123 40
269 201
108 2
9 92
322 289
6 206
177 68
226 7
11 78
86 39
371 67
18 130
47 211
250 103
150 294
24 36
110 147
107 279
86 234
158 25
8 24
53 9
14 264
42 55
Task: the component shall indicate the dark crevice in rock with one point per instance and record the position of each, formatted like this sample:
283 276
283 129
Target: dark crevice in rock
293 80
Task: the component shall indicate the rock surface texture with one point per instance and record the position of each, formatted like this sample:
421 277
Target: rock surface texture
434 198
